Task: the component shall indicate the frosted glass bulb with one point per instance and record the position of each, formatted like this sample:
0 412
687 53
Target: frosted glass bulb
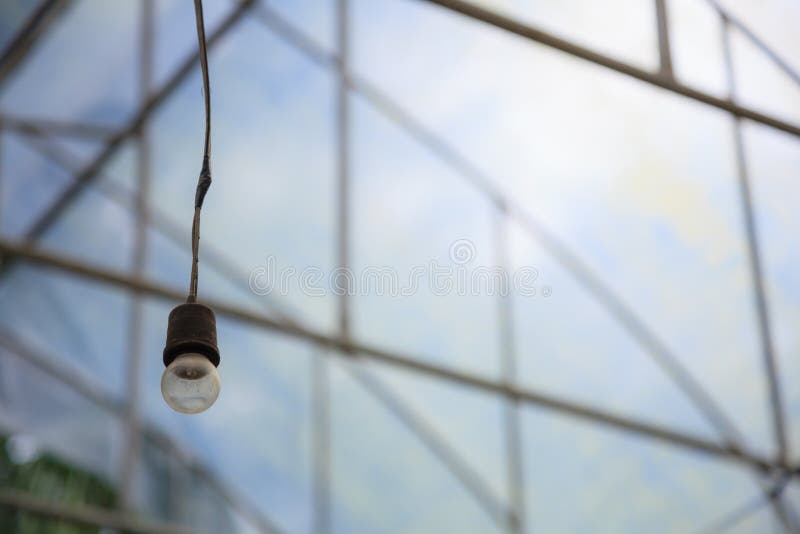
190 384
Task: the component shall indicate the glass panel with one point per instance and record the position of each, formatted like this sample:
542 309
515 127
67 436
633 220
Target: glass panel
384 479
625 29
274 111
412 216
570 346
15 14
761 84
107 219
774 22
315 18
773 160
576 473
469 421
29 184
176 33
82 322
698 58
171 489
50 417
52 83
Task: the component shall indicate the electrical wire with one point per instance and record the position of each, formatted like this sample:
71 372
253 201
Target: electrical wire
204 181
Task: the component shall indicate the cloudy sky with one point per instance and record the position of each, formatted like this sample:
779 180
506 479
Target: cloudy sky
638 184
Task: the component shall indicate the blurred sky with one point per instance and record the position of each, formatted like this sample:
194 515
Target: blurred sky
640 184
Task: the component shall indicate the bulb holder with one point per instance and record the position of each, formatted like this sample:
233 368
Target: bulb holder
191 328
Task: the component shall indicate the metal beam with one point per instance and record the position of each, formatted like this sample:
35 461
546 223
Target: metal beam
34 126
772 495
537 35
756 269
133 370
729 19
662 30
782 511
84 514
27 36
592 283
395 359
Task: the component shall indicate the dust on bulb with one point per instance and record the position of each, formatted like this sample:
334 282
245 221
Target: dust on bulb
190 384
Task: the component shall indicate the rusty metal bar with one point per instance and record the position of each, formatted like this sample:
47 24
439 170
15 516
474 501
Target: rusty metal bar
756 269
662 28
782 511
729 19
535 34
84 514
28 35
36 126
347 347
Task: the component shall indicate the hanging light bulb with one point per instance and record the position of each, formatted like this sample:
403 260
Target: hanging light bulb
190 383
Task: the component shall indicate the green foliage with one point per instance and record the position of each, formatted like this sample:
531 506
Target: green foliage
49 478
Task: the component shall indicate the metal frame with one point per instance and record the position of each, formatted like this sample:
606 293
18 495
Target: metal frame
84 515
341 345
391 358
61 372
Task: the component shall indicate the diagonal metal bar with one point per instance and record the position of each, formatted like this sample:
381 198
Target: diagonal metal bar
436 443
732 519
535 34
781 63
756 269
392 358
51 214
90 390
593 284
159 221
28 35
84 514
782 511
57 127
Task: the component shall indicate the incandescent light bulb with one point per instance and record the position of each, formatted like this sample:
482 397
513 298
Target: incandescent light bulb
190 383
